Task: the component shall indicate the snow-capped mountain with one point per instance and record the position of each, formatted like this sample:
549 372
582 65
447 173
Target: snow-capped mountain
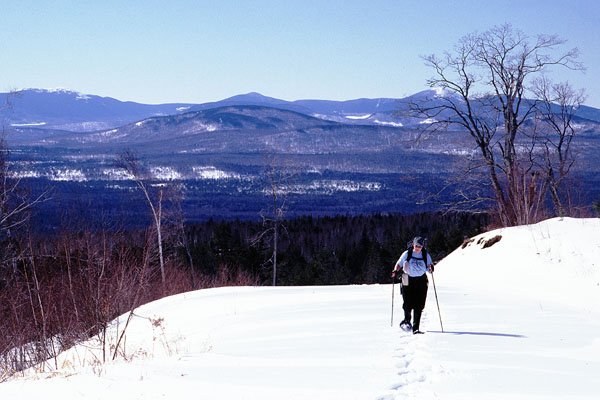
76 112
237 129
73 111
394 112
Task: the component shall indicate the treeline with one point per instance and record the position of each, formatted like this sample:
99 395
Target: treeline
57 290
327 250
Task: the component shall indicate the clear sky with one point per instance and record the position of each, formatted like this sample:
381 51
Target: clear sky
157 51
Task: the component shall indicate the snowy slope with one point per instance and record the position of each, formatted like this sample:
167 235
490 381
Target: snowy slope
521 317
520 321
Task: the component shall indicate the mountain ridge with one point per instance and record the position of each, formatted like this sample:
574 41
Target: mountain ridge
69 110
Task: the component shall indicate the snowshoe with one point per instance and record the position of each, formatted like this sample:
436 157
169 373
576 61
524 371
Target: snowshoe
406 326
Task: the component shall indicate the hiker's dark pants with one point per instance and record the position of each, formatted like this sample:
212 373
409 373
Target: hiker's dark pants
414 296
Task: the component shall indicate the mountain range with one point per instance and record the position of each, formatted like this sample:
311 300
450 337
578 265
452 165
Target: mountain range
72 111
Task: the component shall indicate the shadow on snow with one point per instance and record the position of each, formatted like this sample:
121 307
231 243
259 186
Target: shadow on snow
481 334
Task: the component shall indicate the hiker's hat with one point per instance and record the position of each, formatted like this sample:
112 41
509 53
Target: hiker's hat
419 241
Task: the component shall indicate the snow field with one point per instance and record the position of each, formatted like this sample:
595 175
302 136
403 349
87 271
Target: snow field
521 321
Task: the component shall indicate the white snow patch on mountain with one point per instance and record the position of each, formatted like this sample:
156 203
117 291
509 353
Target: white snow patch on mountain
50 90
25 124
210 172
116 174
201 126
78 95
439 91
329 186
358 117
81 96
25 174
165 173
104 136
53 174
66 174
389 123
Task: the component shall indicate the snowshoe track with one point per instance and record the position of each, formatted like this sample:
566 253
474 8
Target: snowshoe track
413 364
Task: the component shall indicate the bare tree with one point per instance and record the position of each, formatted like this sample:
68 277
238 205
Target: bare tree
486 79
559 103
273 216
181 237
129 162
15 204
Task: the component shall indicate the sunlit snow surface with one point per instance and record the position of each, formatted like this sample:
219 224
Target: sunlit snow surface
53 174
329 186
521 321
210 172
358 117
157 173
28 124
389 123
163 174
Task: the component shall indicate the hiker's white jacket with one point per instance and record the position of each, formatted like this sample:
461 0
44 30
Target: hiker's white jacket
416 264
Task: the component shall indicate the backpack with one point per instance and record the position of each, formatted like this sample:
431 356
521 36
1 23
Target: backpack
409 246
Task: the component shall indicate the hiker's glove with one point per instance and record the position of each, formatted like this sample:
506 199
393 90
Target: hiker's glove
394 272
430 269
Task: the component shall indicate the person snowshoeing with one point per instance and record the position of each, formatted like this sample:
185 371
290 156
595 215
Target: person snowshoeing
413 264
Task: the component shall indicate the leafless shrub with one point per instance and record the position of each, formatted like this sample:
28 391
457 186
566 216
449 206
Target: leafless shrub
68 289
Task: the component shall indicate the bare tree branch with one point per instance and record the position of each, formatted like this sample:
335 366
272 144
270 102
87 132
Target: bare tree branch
488 79
130 163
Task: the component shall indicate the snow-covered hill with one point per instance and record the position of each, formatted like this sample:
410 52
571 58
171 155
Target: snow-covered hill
520 321
62 109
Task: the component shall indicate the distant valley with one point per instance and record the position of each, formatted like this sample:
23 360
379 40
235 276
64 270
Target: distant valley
365 155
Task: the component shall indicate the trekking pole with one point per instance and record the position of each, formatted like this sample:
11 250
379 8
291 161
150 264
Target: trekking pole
437 302
393 284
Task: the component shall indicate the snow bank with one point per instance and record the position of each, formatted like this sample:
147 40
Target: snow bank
556 260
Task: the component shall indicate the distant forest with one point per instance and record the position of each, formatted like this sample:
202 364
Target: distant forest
327 250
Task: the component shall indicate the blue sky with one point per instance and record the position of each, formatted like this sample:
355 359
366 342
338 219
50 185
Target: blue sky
197 51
